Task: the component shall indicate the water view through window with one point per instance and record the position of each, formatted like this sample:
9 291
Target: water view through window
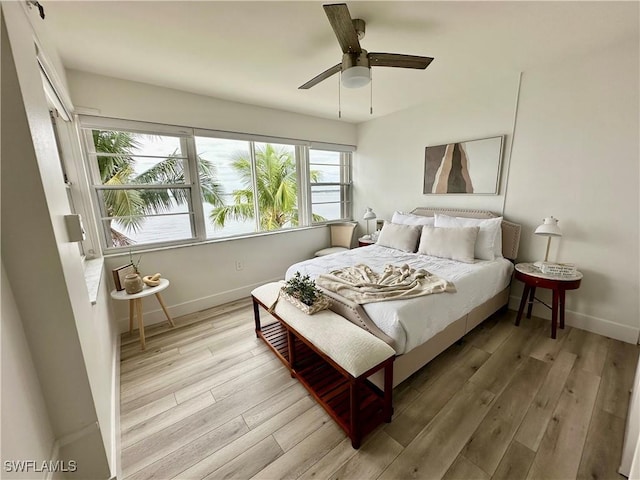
222 153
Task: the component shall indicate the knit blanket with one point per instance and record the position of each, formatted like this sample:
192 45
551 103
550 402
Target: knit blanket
360 284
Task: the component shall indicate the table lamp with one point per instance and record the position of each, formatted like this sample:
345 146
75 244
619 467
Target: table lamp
549 228
369 215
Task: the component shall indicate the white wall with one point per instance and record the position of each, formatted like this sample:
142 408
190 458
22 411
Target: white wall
576 157
71 342
389 162
112 97
26 432
205 275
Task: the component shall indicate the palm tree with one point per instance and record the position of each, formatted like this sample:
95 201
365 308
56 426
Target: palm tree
131 206
276 186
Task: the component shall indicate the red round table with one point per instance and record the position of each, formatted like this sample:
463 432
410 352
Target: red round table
533 278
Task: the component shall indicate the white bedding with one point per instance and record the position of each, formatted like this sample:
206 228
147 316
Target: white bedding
414 321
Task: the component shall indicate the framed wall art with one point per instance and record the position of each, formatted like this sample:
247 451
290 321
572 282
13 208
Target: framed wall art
470 167
119 274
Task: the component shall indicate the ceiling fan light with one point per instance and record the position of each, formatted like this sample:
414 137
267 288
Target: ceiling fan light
356 77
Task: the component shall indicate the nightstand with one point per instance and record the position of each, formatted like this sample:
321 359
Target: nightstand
533 278
365 242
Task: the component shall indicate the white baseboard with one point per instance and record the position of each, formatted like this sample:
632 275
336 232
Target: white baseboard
53 459
157 316
624 333
607 328
116 466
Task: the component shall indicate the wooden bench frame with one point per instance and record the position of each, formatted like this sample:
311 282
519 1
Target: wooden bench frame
354 403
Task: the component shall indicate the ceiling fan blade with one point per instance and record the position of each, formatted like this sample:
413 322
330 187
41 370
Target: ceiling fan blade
323 76
398 60
340 20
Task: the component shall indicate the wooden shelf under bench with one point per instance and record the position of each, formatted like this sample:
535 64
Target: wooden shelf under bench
354 403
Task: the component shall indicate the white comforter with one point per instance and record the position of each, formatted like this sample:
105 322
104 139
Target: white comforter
414 321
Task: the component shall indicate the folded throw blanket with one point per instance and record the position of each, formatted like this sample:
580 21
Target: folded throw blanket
360 284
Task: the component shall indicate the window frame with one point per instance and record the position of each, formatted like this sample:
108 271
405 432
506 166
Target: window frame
97 187
346 183
70 153
188 142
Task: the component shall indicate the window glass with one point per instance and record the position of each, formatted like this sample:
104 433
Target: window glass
228 209
132 169
174 187
330 185
257 186
277 185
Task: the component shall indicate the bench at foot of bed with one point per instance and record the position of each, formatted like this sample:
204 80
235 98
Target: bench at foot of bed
332 358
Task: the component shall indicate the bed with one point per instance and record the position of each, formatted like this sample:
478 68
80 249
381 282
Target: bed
419 329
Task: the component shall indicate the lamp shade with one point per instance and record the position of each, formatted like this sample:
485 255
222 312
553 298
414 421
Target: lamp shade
369 214
549 228
356 77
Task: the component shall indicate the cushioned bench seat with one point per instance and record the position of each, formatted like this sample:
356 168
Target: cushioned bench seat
325 349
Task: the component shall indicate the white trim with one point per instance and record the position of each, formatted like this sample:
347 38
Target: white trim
157 316
78 434
199 230
52 95
53 460
304 186
252 137
254 185
106 123
332 147
249 137
513 134
600 326
67 439
95 121
116 467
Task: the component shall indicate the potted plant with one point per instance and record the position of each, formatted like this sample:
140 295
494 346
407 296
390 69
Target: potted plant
302 292
133 282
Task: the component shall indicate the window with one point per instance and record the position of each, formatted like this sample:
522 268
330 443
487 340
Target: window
330 178
143 187
69 153
256 188
158 185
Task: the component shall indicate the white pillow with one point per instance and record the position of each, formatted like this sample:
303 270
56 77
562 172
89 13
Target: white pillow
456 243
400 237
411 219
489 242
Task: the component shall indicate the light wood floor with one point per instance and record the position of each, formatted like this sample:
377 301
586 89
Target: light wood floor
209 400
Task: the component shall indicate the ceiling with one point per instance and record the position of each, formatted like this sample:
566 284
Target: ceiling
260 52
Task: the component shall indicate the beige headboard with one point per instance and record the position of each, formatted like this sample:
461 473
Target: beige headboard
510 230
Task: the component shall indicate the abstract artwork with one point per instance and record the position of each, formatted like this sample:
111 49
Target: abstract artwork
471 167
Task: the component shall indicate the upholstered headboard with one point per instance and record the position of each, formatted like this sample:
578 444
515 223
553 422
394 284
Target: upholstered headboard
510 230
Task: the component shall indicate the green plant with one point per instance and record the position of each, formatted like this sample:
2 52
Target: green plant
135 264
302 288
276 187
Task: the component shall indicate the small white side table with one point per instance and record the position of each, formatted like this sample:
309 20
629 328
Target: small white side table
135 303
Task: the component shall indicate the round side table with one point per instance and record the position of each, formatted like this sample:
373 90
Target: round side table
533 278
365 242
135 304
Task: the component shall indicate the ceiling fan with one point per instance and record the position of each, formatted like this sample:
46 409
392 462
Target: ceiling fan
356 62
